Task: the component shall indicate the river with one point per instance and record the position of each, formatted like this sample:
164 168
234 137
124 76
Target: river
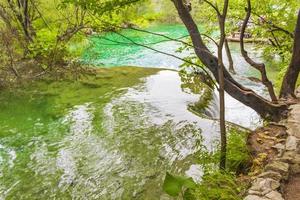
116 135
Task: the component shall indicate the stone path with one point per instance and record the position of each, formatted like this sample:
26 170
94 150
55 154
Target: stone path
285 168
292 189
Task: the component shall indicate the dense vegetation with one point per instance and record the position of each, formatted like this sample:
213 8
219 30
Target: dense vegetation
45 39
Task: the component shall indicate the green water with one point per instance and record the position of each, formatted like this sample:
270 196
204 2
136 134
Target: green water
117 50
112 50
113 135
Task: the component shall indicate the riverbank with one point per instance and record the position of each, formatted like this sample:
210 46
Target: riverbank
279 177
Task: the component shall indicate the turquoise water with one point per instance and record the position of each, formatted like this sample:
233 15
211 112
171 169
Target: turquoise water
112 50
112 53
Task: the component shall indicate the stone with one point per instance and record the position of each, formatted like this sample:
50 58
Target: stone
288 156
295 168
264 185
297 158
274 195
278 146
291 143
280 153
271 174
280 167
286 162
254 192
254 197
293 128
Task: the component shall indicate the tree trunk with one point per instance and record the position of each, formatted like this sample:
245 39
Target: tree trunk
259 66
290 79
248 97
230 60
222 19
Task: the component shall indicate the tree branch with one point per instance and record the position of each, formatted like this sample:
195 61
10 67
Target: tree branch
276 27
168 54
213 6
236 90
290 78
259 66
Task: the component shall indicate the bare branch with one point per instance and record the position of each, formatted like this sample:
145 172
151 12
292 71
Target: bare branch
213 6
236 90
259 66
126 43
168 54
40 14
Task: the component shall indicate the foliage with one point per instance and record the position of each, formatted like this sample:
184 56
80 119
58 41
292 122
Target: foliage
217 186
238 155
175 185
272 20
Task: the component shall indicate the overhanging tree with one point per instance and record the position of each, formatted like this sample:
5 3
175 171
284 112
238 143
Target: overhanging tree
247 96
266 108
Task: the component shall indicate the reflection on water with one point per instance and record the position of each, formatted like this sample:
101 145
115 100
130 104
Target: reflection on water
117 149
123 55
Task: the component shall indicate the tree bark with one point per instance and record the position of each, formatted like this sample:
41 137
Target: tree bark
248 97
229 56
222 19
259 66
290 79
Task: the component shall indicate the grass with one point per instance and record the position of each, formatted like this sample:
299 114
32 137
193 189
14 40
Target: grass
224 185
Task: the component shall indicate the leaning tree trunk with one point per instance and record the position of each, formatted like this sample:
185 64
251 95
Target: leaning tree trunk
290 79
248 97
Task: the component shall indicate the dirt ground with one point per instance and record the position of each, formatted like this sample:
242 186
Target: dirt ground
261 142
292 189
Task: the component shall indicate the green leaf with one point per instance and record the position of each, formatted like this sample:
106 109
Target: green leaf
189 183
173 185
